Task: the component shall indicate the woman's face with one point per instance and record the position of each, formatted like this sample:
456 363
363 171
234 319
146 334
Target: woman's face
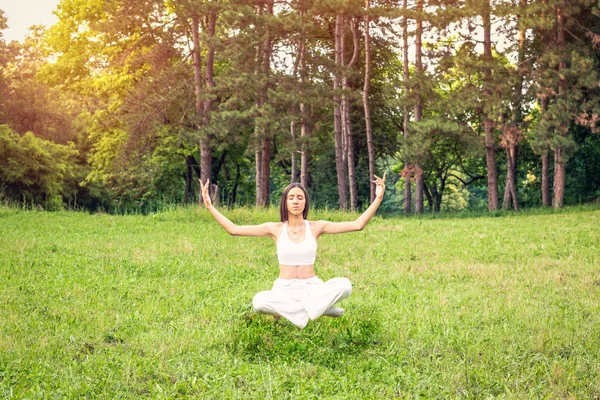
295 201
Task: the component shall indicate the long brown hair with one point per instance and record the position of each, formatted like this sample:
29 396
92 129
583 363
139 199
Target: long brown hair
283 210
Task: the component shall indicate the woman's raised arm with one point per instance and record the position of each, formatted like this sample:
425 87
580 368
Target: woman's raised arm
360 222
265 229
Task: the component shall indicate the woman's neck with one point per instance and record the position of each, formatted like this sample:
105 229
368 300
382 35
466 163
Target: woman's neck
295 221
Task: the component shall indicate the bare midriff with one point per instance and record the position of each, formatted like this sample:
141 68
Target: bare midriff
296 271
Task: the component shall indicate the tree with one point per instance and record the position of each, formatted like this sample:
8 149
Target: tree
340 156
29 105
348 145
254 86
512 133
419 101
305 125
369 128
567 77
34 170
443 146
490 149
4 58
406 75
263 68
204 103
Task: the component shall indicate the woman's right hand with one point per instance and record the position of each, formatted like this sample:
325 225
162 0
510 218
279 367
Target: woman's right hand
205 194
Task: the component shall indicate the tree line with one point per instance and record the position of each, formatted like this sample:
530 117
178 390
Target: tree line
472 103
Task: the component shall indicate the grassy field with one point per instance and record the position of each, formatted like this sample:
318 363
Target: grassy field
159 306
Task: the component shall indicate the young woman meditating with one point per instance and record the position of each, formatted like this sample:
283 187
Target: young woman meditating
298 294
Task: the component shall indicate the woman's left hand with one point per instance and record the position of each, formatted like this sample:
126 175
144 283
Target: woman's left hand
205 194
380 186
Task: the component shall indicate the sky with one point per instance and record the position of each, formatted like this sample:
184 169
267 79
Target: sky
22 14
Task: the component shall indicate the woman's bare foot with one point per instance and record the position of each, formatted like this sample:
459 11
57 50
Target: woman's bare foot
333 312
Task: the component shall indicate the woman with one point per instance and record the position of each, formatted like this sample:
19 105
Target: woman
298 294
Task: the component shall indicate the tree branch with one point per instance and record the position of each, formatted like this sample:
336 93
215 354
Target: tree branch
466 183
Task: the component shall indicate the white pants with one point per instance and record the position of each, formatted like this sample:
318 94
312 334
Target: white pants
299 300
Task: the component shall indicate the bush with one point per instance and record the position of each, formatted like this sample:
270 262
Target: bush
34 170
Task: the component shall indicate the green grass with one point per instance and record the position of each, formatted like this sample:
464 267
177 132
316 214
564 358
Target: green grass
159 306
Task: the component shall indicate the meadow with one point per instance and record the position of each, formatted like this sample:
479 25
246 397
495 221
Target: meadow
159 306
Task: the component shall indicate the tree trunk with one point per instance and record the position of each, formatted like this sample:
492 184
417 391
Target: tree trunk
407 166
197 90
294 170
346 104
437 199
262 156
235 185
490 158
258 167
266 149
343 86
429 197
304 147
559 178
304 131
258 127
440 194
266 171
510 193
559 152
341 168
205 160
490 149
370 145
419 104
507 201
510 189
304 128
350 158
205 144
291 112
546 179
510 137
188 181
513 152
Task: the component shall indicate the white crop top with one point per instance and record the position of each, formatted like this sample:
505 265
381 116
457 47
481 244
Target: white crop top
290 253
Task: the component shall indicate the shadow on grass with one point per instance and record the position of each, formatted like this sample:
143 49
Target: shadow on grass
326 341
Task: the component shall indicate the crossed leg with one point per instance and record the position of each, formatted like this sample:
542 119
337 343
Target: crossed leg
279 303
314 300
322 297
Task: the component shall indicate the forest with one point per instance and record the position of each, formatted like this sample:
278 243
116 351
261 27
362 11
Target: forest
122 106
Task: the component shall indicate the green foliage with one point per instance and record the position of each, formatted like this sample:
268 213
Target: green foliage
117 79
443 148
35 171
27 104
580 81
584 169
